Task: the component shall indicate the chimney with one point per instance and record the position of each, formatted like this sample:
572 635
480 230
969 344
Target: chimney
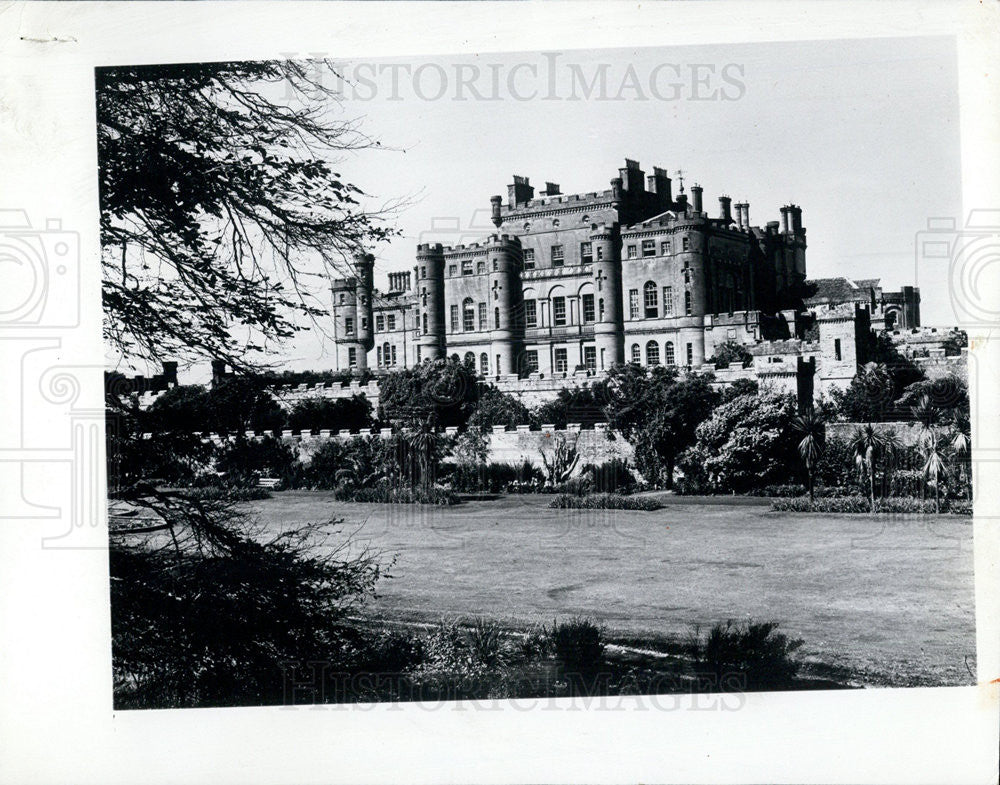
796 219
616 188
496 217
725 209
696 191
519 192
218 371
746 215
406 281
632 176
170 372
786 225
659 183
551 189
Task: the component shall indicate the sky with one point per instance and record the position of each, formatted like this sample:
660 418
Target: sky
862 134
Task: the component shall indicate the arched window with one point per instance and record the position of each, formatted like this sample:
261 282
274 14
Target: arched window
468 315
636 353
649 300
484 364
469 360
687 303
385 353
652 353
424 318
668 354
496 318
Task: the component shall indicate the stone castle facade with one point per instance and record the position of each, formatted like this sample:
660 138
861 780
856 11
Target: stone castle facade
570 284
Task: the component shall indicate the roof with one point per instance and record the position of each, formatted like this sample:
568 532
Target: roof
841 290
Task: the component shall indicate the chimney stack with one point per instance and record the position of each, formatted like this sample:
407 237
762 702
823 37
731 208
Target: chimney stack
786 224
696 192
632 176
551 189
519 192
725 209
659 183
170 372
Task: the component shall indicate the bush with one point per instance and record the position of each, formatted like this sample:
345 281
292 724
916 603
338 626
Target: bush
746 656
578 486
334 414
780 490
386 494
604 501
494 477
960 508
579 644
244 461
614 476
226 493
859 504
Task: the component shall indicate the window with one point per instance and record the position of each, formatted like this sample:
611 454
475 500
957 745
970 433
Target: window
482 316
559 311
469 361
390 321
557 255
668 353
590 358
364 322
636 356
633 303
600 252
586 253
600 309
649 247
652 353
423 272
687 303
484 364
631 252
378 355
454 318
496 318
529 258
480 267
836 348
352 357
668 300
425 323
468 315
393 361
467 267
588 308
419 353
423 296
379 323
386 349
341 298
649 300
531 362
686 244
530 313
690 353
452 269
687 275
665 247
562 360
349 325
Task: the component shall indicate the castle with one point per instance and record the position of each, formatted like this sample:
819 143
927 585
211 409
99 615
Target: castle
571 284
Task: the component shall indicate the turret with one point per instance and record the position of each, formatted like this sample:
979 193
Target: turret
696 194
609 333
725 209
495 204
504 302
430 299
364 268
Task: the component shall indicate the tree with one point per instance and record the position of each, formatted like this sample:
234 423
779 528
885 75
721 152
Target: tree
731 352
495 407
657 412
220 205
582 405
934 469
183 408
242 403
440 393
812 429
866 445
333 414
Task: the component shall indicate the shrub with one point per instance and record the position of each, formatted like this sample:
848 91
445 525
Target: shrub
614 476
578 486
960 508
245 460
227 493
579 644
856 504
386 494
495 477
746 656
319 413
780 490
604 501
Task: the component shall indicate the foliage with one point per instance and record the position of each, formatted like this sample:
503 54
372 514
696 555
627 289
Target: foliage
471 448
740 387
604 501
812 429
244 461
207 616
658 413
947 395
495 407
234 405
579 644
748 656
729 353
384 493
493 477
859 504
744 444
614 476
294 378
233 494
875 388
334 414
793 489
561 460
584 405
185 407
217 202
434 394
955 341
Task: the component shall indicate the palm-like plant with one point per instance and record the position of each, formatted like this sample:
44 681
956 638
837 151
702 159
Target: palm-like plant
934 470
961 446
866 445
928 416
892 449
813 431
423 441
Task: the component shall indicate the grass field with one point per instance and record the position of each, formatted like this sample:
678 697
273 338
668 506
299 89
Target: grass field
888 598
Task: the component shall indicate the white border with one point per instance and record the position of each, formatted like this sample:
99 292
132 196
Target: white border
56 723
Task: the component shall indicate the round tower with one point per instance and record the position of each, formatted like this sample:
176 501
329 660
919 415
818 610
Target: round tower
609 329
430 299
345 315
364 269
505 297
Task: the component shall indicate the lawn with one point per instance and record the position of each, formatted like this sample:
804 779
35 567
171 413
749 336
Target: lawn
889 598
